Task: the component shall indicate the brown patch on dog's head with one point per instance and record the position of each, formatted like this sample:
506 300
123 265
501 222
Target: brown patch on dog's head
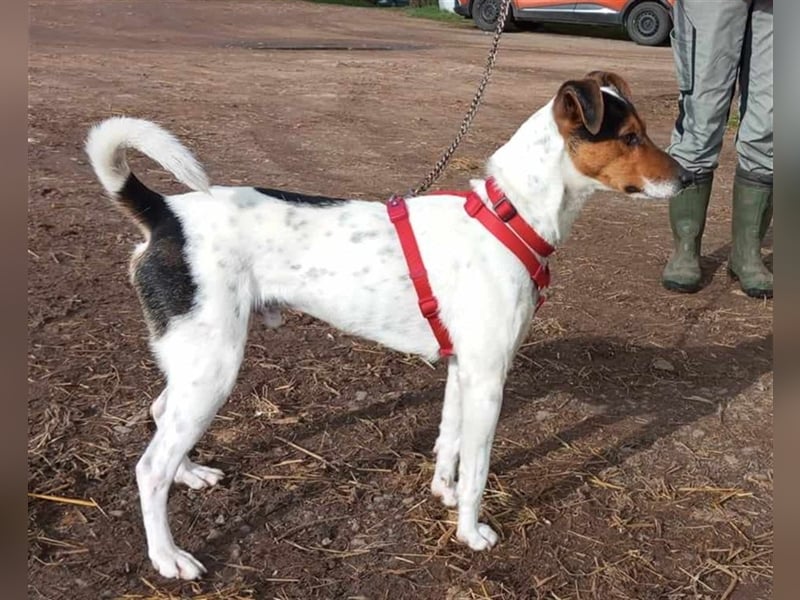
607 139
579 104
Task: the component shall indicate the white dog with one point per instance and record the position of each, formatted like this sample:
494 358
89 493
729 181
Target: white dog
213 255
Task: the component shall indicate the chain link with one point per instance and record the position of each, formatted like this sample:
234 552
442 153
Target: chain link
441 164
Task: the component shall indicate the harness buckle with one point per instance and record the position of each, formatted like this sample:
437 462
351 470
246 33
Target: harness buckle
397 209
429 307
504 209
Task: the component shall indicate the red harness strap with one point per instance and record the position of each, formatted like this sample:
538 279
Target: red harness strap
428 305
513 232
504 223
508 214
478 210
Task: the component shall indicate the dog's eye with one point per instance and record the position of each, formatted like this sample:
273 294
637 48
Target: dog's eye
631 139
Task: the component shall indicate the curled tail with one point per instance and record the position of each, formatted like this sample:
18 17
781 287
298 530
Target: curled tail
106 145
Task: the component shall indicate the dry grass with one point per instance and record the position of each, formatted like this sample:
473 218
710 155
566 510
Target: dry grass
632 460
615 519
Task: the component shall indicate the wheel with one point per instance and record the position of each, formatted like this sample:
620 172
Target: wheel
648 24
486 12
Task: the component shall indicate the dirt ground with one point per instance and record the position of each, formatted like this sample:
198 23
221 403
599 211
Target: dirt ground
633 459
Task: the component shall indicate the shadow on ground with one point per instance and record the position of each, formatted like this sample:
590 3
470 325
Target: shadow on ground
664 388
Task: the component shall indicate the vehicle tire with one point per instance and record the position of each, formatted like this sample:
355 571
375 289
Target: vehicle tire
486 12
648 24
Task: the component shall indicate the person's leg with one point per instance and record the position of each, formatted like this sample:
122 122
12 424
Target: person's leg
752 191
754 138
707 42
752 211
687 219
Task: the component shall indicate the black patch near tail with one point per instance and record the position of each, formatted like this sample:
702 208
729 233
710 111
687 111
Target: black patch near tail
161 274
296 198
146 206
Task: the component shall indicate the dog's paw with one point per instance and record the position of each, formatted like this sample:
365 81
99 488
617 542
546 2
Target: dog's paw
174 563
444 491
481 537
271 317
197 476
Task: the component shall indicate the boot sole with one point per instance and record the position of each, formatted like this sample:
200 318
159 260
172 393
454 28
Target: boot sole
682 288
751 292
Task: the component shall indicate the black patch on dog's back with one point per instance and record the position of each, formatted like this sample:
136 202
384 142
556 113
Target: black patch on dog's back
295 198
161 274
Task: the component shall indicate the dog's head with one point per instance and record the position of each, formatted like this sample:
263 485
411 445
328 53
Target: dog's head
607 141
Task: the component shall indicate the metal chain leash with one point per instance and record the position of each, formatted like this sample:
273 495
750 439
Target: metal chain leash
441 164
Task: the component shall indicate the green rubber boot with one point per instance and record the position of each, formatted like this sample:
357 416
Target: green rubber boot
752 213
687 218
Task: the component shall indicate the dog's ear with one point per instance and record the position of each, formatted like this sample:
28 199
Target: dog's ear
579 102
607 79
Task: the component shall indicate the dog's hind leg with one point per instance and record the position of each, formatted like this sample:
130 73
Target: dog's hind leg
189 473
481 396
443 484
201 363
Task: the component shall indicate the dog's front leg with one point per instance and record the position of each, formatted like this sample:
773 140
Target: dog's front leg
481 397
443 484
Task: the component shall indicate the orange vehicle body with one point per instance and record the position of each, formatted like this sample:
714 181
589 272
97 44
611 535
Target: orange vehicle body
647 21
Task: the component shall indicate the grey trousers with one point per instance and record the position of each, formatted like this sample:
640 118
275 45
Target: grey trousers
714 42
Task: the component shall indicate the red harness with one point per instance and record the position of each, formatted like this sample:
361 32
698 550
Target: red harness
503 222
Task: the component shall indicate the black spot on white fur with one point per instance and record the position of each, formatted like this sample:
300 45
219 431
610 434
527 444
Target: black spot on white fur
293 221
360 236
315 272
247 202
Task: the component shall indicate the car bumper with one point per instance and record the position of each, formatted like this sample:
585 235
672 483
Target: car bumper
462 9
